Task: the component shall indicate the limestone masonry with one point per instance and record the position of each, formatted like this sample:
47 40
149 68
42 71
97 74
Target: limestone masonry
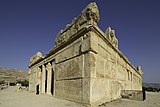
85 64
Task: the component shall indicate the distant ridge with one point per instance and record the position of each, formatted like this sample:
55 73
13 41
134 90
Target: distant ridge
13 69
153 85
12 75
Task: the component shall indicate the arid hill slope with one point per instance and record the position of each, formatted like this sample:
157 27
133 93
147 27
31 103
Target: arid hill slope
12 75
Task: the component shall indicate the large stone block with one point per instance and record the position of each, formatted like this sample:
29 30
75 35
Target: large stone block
90 42
69 69
102 52
86 94
69 51
69 89
121 73
93 58
65 54
128 85
113 57
94 42
33 80
103 44
99 91
86 72
76 47
89 65
113 70
107 72
100 67
115 90
86 44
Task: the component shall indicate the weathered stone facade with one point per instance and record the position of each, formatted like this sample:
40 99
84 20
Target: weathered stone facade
85 64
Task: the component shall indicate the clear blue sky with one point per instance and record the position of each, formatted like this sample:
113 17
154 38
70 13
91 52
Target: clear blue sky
28 26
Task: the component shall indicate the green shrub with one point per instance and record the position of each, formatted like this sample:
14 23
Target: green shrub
12 84
23 82
2 82
149 89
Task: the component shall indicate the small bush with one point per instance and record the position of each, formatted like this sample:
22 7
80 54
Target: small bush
149 89
12 84
23 82
2 82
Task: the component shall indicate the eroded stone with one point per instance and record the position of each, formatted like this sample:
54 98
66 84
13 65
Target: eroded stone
85 64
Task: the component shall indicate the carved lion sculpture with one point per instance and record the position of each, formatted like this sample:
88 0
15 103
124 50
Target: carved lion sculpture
89 16
111 36
91 12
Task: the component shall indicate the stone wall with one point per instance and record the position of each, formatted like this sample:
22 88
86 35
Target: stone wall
32 79
68 76
85 64
110 72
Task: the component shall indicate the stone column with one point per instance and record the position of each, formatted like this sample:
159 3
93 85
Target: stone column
29 73
43 79
49 70
40 79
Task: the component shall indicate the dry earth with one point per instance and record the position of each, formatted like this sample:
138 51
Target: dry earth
152 100
12 74
12 98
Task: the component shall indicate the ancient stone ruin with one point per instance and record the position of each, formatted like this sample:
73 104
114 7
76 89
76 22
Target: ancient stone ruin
85 64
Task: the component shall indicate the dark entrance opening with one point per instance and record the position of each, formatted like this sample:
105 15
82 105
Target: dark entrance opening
40 84
52 83
37 89
52 77
46 81
144 93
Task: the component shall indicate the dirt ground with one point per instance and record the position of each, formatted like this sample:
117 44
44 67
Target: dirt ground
152 100
11 98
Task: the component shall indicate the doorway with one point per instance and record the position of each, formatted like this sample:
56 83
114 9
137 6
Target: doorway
52 77
37 89
52 83
46 81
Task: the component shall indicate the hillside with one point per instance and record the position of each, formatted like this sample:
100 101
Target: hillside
153 85
12 75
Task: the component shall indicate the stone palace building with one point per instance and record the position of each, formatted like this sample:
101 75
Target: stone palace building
85 64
